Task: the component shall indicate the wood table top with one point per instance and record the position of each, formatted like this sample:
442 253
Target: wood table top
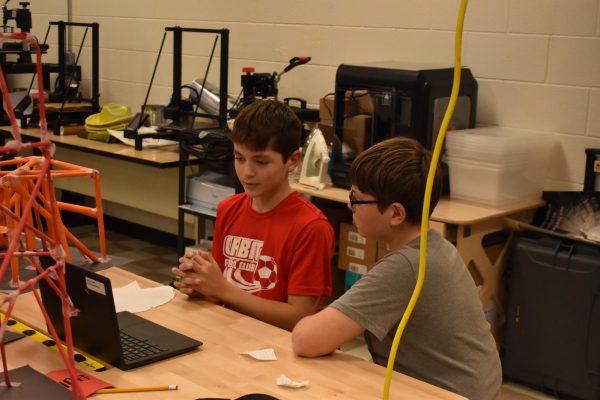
161 157
218 369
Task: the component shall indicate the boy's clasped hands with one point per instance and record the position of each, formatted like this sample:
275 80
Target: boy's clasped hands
199 274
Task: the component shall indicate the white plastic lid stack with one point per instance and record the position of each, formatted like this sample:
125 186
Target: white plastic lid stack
499 145
497 166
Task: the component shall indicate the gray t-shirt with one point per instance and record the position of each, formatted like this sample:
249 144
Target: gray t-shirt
447 341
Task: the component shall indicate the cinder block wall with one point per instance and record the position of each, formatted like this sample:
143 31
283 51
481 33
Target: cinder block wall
537 61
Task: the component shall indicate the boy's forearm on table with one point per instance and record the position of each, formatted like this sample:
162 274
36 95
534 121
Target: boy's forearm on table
307 340
281 314
324 332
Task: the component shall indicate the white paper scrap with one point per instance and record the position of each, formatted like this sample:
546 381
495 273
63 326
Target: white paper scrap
262 355
283 380
134 299
147 142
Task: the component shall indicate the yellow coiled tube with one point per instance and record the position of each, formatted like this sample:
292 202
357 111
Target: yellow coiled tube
427 198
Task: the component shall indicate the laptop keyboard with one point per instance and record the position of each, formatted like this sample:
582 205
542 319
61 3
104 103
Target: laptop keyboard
134 348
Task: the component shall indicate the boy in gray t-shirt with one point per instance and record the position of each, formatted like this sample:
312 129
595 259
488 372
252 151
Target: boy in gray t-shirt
447 341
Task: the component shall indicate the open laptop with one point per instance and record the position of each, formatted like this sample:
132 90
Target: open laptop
122 339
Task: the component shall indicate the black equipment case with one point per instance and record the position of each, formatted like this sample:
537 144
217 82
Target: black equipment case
552 337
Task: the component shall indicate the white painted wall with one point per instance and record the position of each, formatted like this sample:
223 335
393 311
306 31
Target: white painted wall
537 61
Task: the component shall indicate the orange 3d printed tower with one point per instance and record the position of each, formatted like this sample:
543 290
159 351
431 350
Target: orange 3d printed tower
30 222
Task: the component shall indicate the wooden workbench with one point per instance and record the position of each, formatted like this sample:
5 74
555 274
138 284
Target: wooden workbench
218 369
138 186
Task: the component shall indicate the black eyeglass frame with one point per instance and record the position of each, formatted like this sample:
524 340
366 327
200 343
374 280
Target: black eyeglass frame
352 200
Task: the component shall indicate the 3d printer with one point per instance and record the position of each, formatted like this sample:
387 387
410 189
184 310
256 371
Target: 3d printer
68 74
405 101
265 85
22 17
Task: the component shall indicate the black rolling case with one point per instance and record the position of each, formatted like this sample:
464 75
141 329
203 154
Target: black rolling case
552 336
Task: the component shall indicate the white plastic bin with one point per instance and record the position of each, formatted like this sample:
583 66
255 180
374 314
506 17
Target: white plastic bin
497 144
497 166
495 185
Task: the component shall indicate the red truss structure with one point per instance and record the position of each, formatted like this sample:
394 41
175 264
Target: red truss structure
30 222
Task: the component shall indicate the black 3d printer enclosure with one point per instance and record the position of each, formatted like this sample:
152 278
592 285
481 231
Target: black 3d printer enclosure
406 102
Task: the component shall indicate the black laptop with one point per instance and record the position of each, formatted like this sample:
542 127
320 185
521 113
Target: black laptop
122 339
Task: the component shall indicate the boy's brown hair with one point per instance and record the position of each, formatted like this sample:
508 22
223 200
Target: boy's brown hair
266 123
395 170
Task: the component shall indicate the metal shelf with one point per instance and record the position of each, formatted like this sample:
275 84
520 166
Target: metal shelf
197 211
184 155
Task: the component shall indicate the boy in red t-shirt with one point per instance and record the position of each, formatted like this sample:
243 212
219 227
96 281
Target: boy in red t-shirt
272 248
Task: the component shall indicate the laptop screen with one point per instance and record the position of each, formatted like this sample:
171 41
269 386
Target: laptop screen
98 329
95 328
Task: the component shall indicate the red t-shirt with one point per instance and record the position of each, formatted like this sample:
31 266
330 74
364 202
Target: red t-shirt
284 251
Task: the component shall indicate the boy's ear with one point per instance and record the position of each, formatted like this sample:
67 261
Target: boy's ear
398 214
293 160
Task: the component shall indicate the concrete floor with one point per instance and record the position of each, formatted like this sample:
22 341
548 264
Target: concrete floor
141 257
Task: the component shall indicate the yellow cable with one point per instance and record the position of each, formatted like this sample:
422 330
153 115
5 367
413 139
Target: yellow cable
427 199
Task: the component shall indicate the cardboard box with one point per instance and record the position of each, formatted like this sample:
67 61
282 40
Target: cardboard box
326 105
337 214
356 253
364 103
356 131
358 116
356 102
327 130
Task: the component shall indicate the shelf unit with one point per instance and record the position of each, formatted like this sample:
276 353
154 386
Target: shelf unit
184 155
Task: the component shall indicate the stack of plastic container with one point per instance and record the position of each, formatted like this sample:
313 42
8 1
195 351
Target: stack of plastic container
112 116
497 166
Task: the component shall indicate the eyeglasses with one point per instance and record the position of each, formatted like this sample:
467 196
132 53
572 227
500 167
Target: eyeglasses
353 202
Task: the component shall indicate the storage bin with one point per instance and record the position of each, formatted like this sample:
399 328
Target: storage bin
494 184
497 144
498 166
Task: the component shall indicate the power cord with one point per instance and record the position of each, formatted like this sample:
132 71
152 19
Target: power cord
211 146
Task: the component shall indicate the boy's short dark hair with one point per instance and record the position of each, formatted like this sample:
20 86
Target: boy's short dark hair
395 170
268 122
